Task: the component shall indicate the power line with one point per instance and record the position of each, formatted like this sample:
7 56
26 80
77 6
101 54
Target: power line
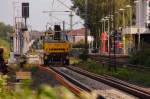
64 4
59 19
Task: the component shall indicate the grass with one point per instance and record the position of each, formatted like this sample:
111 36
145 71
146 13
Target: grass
74 60
6 46
134 76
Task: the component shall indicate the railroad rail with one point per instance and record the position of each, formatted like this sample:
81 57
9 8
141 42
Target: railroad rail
99 88
109 60
76 90
116 83
77 86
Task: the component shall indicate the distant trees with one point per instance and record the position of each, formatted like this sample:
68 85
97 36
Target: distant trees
97 9
5 31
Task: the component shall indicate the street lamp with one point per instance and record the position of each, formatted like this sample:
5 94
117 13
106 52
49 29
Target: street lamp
108 30
116 13
103 24
130 8
123 17
123 26
130 11
138 22
90 41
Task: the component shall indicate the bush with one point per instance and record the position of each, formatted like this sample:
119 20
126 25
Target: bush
22 91
78 45
76 52
141 57
84 55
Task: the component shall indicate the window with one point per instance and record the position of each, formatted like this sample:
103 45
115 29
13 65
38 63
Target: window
149 17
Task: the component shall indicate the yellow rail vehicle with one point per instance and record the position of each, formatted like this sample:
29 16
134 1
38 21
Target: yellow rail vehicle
56 47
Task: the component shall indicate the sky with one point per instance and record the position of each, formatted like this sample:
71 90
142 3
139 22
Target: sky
37 19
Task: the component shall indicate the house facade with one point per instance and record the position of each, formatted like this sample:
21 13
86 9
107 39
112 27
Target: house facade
77 35
135 36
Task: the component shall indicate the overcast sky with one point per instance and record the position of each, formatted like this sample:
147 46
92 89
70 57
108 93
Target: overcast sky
38 19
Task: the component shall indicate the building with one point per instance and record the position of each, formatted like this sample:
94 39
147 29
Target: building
143 13
135 36
36 35
77 35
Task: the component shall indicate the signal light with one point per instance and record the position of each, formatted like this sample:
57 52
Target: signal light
25 10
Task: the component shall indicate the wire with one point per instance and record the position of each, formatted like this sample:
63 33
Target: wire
59 19
64 4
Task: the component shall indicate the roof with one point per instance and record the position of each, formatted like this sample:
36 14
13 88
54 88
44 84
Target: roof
77 32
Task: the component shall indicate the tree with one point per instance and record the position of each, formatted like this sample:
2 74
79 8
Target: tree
97 9
5 30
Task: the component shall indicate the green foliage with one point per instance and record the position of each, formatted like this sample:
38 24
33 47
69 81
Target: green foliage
23 91
141 57
98 9
6 46
80 44
3 82
121 73
74 60
5 31
34 69
84 55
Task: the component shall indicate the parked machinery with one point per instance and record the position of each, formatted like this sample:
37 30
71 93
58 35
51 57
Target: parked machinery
56 47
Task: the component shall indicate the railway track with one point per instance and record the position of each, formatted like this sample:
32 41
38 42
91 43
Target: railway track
109 61
94 85
84 83
72 87
116 83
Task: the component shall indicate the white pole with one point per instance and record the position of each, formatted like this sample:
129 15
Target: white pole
108 35
139 36
124 34
130 11
104 25
123 26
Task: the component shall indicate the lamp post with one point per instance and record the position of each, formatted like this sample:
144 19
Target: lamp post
115 31
123 17
117 14
103 20
108 31
103 24
86 30
137 2
130 11
123 26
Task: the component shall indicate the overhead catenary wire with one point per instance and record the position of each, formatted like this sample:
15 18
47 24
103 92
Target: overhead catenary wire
64 4
70 10
59 19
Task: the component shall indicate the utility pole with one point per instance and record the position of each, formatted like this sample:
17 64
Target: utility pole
71 20
110 24
63 26
86 28
115 31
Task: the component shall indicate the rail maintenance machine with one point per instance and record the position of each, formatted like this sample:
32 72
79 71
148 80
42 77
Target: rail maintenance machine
56 47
